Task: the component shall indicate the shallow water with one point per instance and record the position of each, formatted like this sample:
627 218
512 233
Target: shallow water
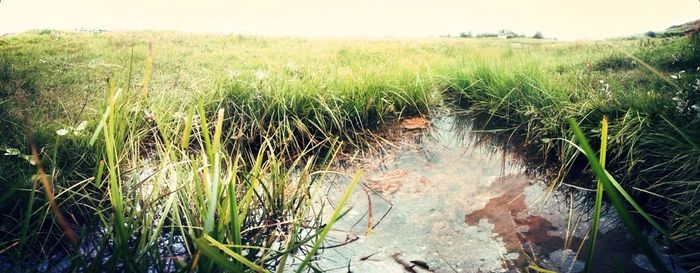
455 203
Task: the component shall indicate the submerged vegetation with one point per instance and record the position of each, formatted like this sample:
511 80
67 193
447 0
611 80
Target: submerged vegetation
174 152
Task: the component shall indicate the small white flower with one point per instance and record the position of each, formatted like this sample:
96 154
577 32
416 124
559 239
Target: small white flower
61 132
12 151
81 126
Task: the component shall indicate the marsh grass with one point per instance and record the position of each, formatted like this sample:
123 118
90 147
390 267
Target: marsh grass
162 181
206 198
653 138
204 152
617 196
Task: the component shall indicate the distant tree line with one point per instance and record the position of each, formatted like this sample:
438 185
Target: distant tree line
507 34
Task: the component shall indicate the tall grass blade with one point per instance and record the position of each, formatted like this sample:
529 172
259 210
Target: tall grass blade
598 197
616 199
111 101
205 128
233 209
100 171
204 247
334 217
637 207
237 257
215 177
187 131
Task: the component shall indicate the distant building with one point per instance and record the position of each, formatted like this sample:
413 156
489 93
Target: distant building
91 30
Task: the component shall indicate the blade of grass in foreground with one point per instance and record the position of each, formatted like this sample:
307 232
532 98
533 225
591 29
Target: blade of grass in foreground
598 197
648 217
121 236
50 198
111 101
187 131
215 180
211 247
213 254
639 208
616 199
236 222
334 217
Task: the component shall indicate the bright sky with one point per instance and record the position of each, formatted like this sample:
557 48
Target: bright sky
563 19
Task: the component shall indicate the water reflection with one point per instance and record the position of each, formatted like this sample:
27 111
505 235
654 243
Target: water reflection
451 199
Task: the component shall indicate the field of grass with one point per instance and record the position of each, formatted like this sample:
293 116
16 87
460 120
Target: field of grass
207 148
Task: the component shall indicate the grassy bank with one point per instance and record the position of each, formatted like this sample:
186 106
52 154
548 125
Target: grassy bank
212 142
649 92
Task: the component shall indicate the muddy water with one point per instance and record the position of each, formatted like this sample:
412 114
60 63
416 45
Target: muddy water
443 200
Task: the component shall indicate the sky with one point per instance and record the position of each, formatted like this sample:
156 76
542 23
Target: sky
561 19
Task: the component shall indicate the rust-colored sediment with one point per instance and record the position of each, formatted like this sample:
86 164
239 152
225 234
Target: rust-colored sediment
386 183
524 233
414 123
504 213
500 211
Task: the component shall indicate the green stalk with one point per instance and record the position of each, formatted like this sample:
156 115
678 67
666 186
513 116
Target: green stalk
205 129
598 197
121 236
215 177
233 209
215 256
334 217
109 109
156 231
616 199
639 208
211 248
187 131
255 180
27 217
115 194
98 176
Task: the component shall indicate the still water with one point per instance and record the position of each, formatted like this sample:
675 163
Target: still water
446 199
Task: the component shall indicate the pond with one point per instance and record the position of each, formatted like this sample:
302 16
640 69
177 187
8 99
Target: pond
443 197
446 199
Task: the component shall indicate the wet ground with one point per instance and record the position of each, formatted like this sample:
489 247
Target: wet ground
443 201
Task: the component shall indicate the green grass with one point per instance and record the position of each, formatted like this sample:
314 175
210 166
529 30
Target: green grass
209 140
608 185
654 134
